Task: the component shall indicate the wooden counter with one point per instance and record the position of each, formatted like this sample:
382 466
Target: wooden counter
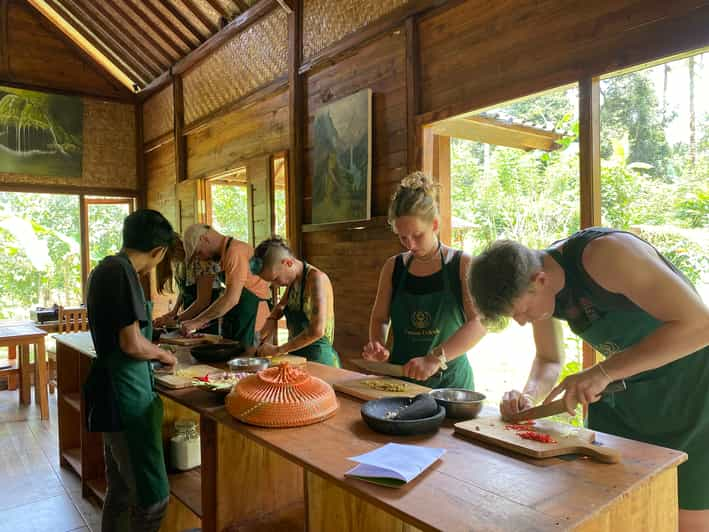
293 479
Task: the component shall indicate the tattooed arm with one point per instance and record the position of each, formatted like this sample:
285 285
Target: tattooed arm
318 294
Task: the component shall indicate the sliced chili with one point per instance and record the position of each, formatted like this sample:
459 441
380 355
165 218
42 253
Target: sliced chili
536 436
519 426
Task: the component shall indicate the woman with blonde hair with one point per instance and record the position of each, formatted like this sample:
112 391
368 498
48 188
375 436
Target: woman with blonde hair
423 294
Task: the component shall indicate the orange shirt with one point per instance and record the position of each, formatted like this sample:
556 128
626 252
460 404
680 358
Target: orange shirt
235 264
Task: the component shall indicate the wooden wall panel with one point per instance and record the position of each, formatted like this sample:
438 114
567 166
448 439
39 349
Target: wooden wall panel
325 22
109 159
252 59
40 56
478 54
158 114
259 174
228 142
353 258
187 204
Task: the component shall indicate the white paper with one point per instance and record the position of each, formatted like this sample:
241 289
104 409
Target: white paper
395 461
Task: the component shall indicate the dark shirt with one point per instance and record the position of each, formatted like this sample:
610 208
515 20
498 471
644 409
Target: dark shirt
114 300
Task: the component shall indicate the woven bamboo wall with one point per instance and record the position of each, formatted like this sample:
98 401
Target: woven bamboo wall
326 22
250 60
109 150
158 114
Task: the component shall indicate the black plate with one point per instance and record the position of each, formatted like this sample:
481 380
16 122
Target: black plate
373 413
217 352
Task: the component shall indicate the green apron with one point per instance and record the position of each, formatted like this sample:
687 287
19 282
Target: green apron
667 406
421 322
134 407
239 323
321 350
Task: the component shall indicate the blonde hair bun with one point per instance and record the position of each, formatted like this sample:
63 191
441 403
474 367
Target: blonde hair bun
418 181
414 197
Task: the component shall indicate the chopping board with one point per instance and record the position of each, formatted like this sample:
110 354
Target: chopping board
184 379
570 440
176 339
357 388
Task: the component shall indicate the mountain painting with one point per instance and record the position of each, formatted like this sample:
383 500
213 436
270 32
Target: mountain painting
40 133
343 160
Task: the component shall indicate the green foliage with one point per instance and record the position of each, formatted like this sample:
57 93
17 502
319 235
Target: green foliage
230 211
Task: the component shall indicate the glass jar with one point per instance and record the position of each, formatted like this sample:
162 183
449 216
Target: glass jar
185 451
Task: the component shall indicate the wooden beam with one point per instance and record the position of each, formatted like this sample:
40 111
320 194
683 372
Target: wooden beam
4 52
179 127
140 157
240 23
85 254
296 121
370 32
590 151
204 19
285 4
412 93
166 57
182 19
172 27
162 81
139 10
87 49
441 171
241 5
155 143
128 66
67 189
147 56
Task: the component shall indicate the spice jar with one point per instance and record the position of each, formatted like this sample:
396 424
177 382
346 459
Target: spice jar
185 450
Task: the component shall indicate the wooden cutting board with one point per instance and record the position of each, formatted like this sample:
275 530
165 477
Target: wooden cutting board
184 379
293 360
357 388
173 339
570 440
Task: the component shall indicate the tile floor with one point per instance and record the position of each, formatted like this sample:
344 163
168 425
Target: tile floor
36 494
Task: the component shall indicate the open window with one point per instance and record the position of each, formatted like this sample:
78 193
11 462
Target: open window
103 218
227 199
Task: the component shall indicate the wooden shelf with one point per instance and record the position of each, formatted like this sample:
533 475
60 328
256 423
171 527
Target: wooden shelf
73 400
98 487
73 457
187 488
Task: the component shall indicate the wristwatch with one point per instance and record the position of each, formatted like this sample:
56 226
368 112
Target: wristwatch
440 354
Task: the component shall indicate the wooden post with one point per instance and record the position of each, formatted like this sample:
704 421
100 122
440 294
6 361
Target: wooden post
412 94
179 130
437 163
296 122
590 167
85 255
140 156
4 52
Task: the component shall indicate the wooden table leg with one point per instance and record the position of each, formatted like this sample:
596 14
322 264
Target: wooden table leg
12 380
25 375
40 379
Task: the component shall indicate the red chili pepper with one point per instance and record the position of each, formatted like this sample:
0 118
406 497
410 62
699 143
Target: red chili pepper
519 426
536 436
203 379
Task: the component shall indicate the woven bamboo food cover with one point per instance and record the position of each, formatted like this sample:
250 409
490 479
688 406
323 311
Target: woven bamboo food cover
283 396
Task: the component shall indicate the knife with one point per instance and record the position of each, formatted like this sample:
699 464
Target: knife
380 368
558 406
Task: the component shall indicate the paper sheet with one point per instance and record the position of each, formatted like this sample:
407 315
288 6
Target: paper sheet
394 464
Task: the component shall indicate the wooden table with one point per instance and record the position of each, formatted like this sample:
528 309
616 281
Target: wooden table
293 479
22 336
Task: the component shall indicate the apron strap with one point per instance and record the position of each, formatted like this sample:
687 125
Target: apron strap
302 284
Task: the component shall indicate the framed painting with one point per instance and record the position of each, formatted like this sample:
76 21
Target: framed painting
342 178
41 134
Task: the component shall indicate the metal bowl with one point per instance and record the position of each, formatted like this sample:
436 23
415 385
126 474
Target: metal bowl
375 414
248 364
217 352
459 402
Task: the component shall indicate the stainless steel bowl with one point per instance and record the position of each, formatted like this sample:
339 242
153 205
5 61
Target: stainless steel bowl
248 364
459 402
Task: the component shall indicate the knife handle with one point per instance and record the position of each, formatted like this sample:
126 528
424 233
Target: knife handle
615 387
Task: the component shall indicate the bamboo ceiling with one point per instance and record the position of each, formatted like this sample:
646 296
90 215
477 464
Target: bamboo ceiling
138 40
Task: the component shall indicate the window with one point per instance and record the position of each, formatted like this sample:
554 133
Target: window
655 160
514 173
40 252
105 224
228 205
279 171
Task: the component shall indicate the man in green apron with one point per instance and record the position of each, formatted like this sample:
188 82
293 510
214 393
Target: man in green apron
308 304
243 305
632 305
119 392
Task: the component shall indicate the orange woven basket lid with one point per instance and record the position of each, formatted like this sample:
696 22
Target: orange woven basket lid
283 396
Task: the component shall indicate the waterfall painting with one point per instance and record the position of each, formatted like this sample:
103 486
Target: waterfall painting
343 160
40 133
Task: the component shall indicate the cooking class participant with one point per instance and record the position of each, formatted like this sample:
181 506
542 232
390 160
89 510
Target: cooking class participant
197 283
424 294
308 304
119 392
620 295
243 305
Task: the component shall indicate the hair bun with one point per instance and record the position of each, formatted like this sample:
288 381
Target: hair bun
418 181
